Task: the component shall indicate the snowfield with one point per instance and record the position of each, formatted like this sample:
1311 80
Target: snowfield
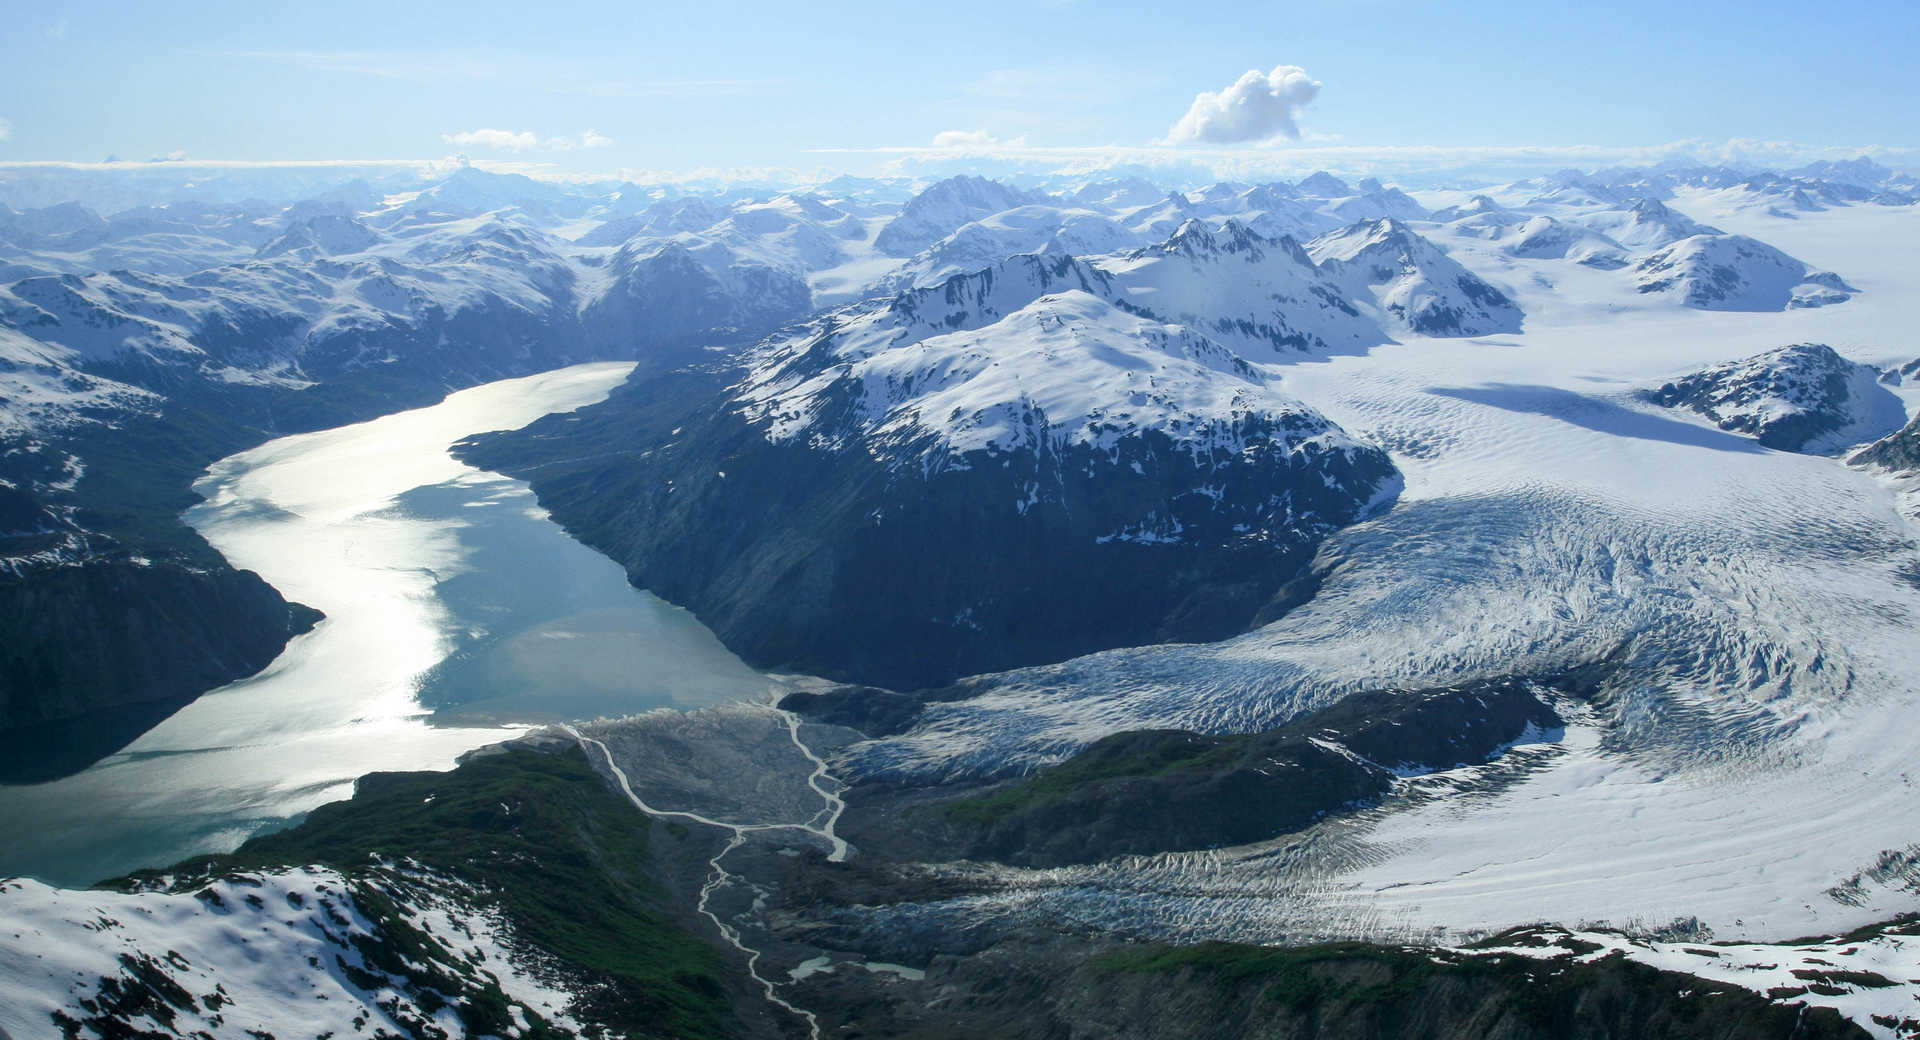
250 955
1863 977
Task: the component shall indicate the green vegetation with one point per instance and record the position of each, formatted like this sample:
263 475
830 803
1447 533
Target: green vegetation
1358 990
1124 756
1291 975
563 857
139 477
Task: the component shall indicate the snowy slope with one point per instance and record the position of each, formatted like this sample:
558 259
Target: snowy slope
1647 225
982 243
1068 368
1736 273
1419 287
1243 289
251 955
1544 238
42 391
943 208
1869 978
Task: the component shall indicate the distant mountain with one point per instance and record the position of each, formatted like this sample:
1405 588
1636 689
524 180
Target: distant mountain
1736 273
1477 206
1647 225
1162 218
985 242
661 219
1242 289
1416 284
321 236
664 295
943 208
1122 194
1324 185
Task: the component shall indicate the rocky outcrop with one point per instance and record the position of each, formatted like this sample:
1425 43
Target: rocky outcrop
87 648
1804 398
1898 451
1148 791
1347 991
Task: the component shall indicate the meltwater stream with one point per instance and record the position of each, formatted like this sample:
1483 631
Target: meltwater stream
457 613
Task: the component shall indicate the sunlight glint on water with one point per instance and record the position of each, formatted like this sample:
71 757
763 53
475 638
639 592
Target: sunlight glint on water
447 591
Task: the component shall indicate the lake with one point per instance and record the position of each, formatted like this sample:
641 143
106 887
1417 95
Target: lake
457 615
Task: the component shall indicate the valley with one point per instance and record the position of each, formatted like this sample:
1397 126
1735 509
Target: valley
1358 609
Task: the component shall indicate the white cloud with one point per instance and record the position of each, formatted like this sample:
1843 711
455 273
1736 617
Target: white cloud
504 140
973 141
1426 164
525 140
1257 107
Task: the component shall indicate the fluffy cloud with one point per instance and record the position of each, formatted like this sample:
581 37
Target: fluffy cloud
524 140
1259 105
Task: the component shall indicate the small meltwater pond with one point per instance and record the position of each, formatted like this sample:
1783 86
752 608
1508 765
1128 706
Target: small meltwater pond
457 614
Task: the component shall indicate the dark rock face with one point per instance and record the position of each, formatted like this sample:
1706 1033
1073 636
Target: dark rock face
1899 452
1148 791
148 638
838 564
1345 991
1797 398
665 296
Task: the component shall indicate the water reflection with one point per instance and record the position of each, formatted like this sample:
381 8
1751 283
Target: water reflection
456 613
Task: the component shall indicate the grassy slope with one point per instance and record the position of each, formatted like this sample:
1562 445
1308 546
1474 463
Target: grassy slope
1358 990
566 859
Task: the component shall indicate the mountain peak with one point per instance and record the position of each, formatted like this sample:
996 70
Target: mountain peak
1325 185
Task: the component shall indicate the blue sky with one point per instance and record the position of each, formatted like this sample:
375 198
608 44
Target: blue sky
720 85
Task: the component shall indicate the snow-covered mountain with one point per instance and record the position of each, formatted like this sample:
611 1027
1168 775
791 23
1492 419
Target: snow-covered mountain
323 235
224 961
1417 286
330 296
1805 397
1243 289
1091 429
1646 226
943 208
1544 238
1736 273
980 244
